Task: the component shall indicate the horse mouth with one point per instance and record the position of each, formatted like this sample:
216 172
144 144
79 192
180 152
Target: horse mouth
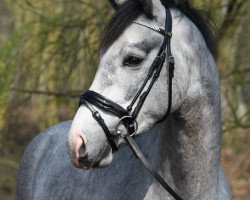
103 159
84 164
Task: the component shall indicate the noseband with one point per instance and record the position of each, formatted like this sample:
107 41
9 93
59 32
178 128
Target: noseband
129 115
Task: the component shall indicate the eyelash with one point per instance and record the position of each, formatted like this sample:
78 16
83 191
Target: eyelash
132 61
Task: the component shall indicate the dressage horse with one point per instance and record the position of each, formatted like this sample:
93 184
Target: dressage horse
157 83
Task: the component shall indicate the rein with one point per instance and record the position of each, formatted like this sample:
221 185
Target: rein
129 115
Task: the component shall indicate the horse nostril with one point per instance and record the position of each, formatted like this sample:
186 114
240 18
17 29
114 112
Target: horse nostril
82 159
77 145
84 162
81 150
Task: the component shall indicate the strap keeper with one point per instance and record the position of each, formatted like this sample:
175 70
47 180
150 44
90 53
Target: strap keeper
171 61
165 33
129 108
157 61
97 116
171 66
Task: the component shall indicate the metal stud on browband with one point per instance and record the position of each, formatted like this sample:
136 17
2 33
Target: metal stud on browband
159 30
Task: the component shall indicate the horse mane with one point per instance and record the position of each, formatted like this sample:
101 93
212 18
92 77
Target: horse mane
131 9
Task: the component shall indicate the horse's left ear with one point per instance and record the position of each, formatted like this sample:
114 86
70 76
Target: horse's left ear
148 7
116 3
152 8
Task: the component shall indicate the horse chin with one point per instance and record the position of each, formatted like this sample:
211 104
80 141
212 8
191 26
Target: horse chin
104 159
104 162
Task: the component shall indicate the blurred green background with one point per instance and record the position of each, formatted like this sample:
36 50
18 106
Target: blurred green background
49 54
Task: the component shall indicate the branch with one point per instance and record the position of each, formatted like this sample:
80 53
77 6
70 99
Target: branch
233 72
232 108
8 163
232 12
68 94
237 126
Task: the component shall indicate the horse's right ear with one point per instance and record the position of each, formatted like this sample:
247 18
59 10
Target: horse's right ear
116 3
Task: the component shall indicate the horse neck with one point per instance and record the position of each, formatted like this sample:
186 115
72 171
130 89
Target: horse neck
185 149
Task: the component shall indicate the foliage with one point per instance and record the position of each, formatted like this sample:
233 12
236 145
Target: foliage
50 45
49 54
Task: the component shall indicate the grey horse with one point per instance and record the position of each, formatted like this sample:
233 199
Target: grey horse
184 148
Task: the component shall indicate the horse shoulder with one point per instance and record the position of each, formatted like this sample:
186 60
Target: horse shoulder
33 158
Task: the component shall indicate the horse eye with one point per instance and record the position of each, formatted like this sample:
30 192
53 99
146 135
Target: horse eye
132 61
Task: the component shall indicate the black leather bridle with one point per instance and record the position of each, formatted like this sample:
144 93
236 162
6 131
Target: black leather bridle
128 116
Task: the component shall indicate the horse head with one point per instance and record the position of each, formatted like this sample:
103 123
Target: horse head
127 53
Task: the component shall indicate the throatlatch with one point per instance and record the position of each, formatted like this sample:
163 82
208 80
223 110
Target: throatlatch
129 115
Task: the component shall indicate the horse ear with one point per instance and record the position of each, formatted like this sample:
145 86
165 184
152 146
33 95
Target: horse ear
116 3
148 7
153 8
146 4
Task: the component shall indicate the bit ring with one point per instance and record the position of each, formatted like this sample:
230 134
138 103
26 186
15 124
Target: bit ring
119 133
